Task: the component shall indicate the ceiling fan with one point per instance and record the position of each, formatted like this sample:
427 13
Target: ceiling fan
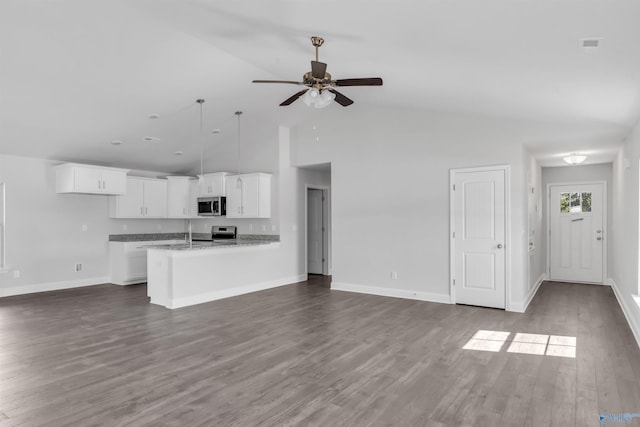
320 89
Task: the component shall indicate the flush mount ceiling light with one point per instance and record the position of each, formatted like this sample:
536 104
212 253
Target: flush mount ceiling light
151 139
575 158
154 116
116 142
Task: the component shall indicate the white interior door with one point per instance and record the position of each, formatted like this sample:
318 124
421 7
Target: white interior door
479 227
576 232
315 249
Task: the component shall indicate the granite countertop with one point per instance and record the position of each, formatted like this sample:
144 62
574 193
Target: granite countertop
147 237
213 244
242 238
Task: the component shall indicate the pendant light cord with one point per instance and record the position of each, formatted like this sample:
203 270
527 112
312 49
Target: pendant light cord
238 114
201 101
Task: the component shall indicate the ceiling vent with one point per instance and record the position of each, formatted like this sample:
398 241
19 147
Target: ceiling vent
590 45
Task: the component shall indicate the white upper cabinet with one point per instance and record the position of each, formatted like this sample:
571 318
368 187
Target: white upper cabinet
179 196
213 184
87 179
145 198
249 195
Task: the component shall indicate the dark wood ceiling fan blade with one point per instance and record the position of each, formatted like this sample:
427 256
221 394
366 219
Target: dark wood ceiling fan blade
318 69
340 98
290 100
370 81
291 82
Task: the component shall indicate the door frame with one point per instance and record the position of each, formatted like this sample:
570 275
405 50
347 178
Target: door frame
326 214
604 226
507 228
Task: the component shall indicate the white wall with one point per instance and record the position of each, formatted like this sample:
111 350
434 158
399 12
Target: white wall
569 174
535 227
624 229
390 192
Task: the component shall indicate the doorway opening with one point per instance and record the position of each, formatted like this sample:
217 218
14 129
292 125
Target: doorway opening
317 235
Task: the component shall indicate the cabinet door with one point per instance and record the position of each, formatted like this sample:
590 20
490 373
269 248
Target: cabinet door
114 182
234 196
155 199
214 184
178 198
217 185
129 205
250 196
87 180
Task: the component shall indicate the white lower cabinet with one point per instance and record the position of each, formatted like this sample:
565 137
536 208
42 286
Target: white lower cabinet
128 260
145 198
249 195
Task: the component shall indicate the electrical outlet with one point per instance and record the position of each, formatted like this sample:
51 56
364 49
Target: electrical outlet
250 227
159 227
394 275
124 227
273 227
16 274
78 267
264 227
84 227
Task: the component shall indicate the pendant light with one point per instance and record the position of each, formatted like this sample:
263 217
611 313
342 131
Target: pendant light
201 176
238 114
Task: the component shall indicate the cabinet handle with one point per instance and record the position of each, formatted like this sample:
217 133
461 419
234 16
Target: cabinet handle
104 185
141 210
146 211
99 185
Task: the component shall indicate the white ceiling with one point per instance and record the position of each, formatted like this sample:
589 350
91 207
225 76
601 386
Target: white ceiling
77 74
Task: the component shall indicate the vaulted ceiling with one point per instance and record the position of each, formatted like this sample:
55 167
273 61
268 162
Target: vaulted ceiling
76 75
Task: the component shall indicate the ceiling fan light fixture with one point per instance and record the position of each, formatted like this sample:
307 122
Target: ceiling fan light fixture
575 158
310 96
325 99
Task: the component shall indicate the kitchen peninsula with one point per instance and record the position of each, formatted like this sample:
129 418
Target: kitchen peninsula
192 273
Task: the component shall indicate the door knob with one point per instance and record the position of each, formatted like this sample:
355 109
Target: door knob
499 245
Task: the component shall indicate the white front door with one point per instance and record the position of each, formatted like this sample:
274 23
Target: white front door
315 238
479 255
576 232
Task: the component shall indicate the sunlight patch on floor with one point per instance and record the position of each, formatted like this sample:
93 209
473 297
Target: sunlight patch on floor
487 341
523 343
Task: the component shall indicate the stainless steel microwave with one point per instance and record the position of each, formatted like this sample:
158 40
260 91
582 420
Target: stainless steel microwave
212 206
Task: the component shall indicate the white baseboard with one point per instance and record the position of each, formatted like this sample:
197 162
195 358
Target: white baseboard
522 307
389 292
240 290
628 312
52 286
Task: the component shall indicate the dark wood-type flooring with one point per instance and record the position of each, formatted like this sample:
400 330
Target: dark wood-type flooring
305 355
